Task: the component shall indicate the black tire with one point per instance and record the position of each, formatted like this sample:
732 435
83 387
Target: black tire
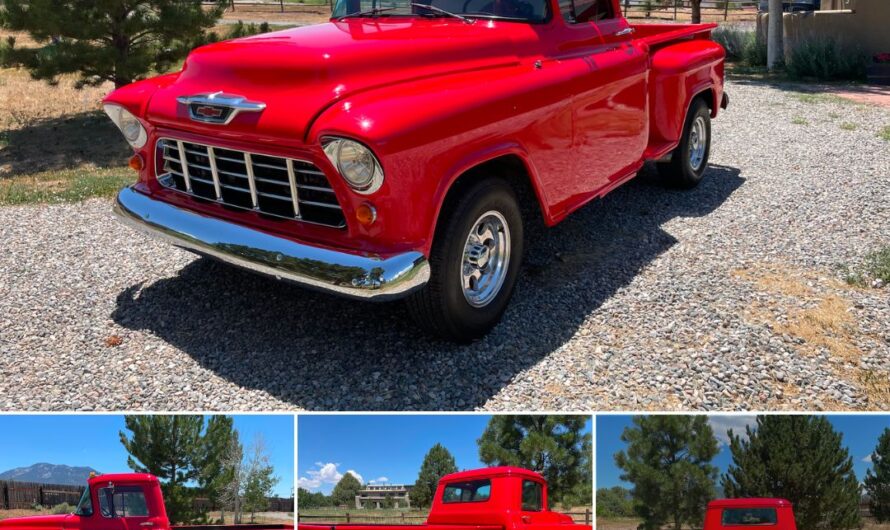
681 172
441 306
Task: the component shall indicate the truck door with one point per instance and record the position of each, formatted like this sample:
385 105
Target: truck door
610 108
126 505
532 503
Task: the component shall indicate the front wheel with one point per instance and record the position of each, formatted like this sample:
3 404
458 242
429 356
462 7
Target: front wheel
474 263
690 159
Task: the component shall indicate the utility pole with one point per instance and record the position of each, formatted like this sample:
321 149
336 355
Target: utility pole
775 49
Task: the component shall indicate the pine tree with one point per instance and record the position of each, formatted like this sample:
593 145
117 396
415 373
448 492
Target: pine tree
168 447
799 458
877 479
614 502
552 445
105 40
346 490
214 472
668 462
437 463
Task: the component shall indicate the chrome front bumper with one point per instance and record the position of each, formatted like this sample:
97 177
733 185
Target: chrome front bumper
341 273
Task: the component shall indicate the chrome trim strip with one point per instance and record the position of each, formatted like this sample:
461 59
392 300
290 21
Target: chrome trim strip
292 179
184 163
215 172
361 277
248 163
236 104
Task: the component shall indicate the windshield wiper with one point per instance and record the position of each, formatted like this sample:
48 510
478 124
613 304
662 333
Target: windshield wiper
369 12
496 17
442 11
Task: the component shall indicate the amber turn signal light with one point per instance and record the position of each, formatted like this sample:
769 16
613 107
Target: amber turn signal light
366 214
136 163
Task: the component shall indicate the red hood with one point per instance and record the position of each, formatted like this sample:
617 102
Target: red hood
297 73
36 521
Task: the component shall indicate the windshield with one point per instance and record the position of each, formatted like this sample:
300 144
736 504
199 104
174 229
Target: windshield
517 10
84 506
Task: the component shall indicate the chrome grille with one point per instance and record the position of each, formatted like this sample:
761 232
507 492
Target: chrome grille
281 187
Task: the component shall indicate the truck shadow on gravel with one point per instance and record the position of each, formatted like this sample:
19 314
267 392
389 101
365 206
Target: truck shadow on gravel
323 353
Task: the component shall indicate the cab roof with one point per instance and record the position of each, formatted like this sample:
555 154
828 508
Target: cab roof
488 472
759 502
122 477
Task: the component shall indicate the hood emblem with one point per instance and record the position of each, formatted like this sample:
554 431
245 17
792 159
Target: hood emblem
218 108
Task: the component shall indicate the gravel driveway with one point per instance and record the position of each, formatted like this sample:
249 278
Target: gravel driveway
723 297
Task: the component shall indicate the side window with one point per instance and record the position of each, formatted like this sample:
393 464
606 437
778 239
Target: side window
577 11
532 496
471 491
123 501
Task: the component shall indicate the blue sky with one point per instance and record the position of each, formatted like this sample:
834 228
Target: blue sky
860 435
381 448
88 440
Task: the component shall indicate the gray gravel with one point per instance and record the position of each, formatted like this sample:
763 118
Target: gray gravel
724 297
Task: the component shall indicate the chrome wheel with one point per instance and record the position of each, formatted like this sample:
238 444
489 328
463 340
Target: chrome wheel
698 142
486 259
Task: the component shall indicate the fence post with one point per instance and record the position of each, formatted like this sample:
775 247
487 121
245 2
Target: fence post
587 516
347 517
675 9
725 10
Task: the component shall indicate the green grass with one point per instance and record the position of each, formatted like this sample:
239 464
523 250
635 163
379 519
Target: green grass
820 98
885 134
69 185
800 121
847 126
876 266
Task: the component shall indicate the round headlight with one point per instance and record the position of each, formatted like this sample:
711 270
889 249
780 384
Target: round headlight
356 164
128 124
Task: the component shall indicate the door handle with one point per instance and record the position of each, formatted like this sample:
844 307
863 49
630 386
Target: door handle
147 523
526 519
625 31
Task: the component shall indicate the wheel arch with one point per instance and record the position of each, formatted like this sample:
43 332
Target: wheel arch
510 163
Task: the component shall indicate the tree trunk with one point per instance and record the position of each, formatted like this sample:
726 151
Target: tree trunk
696 11
774 50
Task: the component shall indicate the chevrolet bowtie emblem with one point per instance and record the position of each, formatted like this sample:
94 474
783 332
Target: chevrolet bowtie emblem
217 107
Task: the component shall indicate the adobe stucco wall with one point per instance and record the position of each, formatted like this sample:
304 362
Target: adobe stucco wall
861 24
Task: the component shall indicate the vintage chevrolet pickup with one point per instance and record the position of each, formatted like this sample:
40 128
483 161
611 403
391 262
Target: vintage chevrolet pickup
400 149
742 514
119 501
495 498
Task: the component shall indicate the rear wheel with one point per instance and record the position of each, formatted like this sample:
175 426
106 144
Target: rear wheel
474 263
690 159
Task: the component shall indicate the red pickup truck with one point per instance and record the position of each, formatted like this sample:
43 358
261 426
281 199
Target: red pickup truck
399 150
119 501
495 498
742 514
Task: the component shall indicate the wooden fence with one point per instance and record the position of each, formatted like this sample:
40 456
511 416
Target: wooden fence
25 495
681 10
368 516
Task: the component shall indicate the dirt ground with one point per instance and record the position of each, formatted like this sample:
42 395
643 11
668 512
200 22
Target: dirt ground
632 523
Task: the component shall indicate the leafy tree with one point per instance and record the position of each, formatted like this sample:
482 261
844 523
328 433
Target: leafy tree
552 445
346 490
231 491
168 447
614 502
668 462
799 458
877 479
105 40
214 471
308 499
437 463
259 478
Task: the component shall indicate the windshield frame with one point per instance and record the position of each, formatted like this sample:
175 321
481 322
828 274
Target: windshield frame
86 500
548 14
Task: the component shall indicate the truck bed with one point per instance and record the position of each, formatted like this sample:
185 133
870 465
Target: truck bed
659 34
243 526
423 526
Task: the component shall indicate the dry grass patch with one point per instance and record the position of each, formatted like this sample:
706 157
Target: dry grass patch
815 311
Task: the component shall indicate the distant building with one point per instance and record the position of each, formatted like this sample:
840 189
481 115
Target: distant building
376 495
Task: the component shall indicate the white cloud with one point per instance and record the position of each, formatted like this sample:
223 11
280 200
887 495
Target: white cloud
867 459
379 480
722 425
325 474
355 474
